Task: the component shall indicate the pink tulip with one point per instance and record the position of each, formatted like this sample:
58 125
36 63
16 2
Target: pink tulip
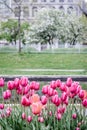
2 82
16 82
63 87
58 116
84 103
10 85
81 94
45 89
77 128
25 101
69 82
73 88
41 119
37 86
64 96
74 116
19 90
8 113
1 106
56 100
23 115
26 89
53 84
7 94
50 113
58 83
50 91
43 100
61 110
55 92
24 81
29 119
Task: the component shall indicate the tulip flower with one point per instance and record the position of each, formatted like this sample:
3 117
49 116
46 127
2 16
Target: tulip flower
69 82
24 81
64 96
50 91
36 108
58 83
74 116
25 101
2 82
7 94
41 119
84 103
29 119
43 100
23 115
77 128
35 98
58 116
63 87
1 106
45 89
10 85
53 84
16 82
56 100
81 94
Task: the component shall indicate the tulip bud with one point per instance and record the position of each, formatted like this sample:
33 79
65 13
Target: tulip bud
41 119
77 128
59 116
45 89
84 103
53 84
74 116
23 115
69 82
24 81
81 94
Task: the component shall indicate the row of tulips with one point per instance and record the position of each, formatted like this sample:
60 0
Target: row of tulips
59 106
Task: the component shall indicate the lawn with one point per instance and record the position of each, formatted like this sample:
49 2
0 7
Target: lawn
12 63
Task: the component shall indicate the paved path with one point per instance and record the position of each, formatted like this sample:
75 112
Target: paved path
61 70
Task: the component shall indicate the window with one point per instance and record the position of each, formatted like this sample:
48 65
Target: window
61 0
70 0
52 0
43 0
25 12
34 11
70 10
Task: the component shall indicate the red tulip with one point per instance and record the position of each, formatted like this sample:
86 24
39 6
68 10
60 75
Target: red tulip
69 82
2 82
43 100
10 85
1 106
24 81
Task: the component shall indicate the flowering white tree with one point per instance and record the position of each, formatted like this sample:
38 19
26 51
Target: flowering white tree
51 24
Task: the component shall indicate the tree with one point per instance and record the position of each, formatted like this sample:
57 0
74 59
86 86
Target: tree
9 31
46 28
18 4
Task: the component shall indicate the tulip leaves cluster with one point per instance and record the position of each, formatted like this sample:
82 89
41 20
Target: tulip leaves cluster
60 106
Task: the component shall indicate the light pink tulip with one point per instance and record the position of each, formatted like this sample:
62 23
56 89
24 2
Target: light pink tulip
23 115
58 116
29 119
77 128
41 119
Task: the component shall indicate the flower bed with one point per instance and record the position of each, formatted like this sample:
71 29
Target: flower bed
59 106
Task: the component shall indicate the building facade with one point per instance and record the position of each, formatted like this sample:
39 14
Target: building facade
29 8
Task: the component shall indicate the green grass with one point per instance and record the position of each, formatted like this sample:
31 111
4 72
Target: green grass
11 62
